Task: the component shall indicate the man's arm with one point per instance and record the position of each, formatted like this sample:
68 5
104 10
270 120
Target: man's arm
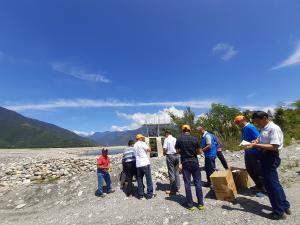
199 151
147 148
208 143
165 148
177 147
267 147
100 165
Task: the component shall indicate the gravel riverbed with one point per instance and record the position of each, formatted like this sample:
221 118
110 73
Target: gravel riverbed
57 187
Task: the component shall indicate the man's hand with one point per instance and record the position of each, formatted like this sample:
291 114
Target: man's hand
180 168
250 146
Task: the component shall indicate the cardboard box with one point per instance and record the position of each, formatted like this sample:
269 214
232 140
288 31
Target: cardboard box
224 185
241 177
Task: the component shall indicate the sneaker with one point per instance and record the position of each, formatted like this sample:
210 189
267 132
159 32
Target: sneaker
153 196
97 194
288 212
110 191
260 195
101 195
201 207
192 209
274 216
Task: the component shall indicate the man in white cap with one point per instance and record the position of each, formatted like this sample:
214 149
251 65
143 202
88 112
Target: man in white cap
143 167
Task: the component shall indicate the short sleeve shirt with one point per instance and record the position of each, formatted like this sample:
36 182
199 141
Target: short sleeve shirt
188 146
169 145
103 161
250 133
271 134
140 151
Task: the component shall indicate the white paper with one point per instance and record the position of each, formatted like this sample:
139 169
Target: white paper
245 143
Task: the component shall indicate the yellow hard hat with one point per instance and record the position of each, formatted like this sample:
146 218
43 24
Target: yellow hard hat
239 119
186 127
138 136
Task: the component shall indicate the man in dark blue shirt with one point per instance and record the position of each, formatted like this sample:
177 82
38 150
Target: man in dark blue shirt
188 147
252 156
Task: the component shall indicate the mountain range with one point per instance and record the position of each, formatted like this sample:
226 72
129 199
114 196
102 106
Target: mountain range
18 131
120 138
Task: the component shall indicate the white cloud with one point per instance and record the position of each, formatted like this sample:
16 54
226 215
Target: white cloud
262 108
225 51
90 103
79 73
83 133
293 59
139 119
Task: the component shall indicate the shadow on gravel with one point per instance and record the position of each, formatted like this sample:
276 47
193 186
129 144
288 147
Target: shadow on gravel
210 194
248 205
180 199
162 187
246 192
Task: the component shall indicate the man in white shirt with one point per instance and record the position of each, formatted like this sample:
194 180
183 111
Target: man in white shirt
143 167
270 142
172 159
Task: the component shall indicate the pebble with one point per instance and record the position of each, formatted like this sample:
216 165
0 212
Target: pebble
80 193
166 221
20 206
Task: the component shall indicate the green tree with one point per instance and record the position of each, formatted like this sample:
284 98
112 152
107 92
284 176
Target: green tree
219 121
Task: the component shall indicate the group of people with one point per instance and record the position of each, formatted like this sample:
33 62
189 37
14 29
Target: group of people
261 160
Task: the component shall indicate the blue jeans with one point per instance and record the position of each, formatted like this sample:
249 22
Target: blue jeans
210 167
103 175
270 161
141 172
191 168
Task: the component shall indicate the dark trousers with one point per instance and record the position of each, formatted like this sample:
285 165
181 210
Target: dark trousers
191 168
253 167
129 169
173 170
210 167
270 161
222 159
141 172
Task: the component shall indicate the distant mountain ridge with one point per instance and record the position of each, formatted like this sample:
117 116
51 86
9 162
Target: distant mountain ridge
17 131
120 138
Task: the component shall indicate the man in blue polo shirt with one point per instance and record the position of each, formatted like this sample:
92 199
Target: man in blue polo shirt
252 156
210 151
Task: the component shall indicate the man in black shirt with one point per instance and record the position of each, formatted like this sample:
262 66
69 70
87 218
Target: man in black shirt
189 147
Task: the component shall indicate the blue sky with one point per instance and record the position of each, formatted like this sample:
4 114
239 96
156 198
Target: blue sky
110 65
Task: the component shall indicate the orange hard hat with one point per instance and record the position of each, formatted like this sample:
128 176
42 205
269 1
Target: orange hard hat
138 136
186 127
239 119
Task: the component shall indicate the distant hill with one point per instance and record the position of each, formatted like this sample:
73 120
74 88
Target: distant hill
17 131
116 138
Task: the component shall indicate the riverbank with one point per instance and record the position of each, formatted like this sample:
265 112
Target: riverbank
70 199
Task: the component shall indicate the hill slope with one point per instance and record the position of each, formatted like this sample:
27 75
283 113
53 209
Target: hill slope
17 131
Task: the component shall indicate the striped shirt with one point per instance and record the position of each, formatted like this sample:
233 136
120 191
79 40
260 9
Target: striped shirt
128 155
